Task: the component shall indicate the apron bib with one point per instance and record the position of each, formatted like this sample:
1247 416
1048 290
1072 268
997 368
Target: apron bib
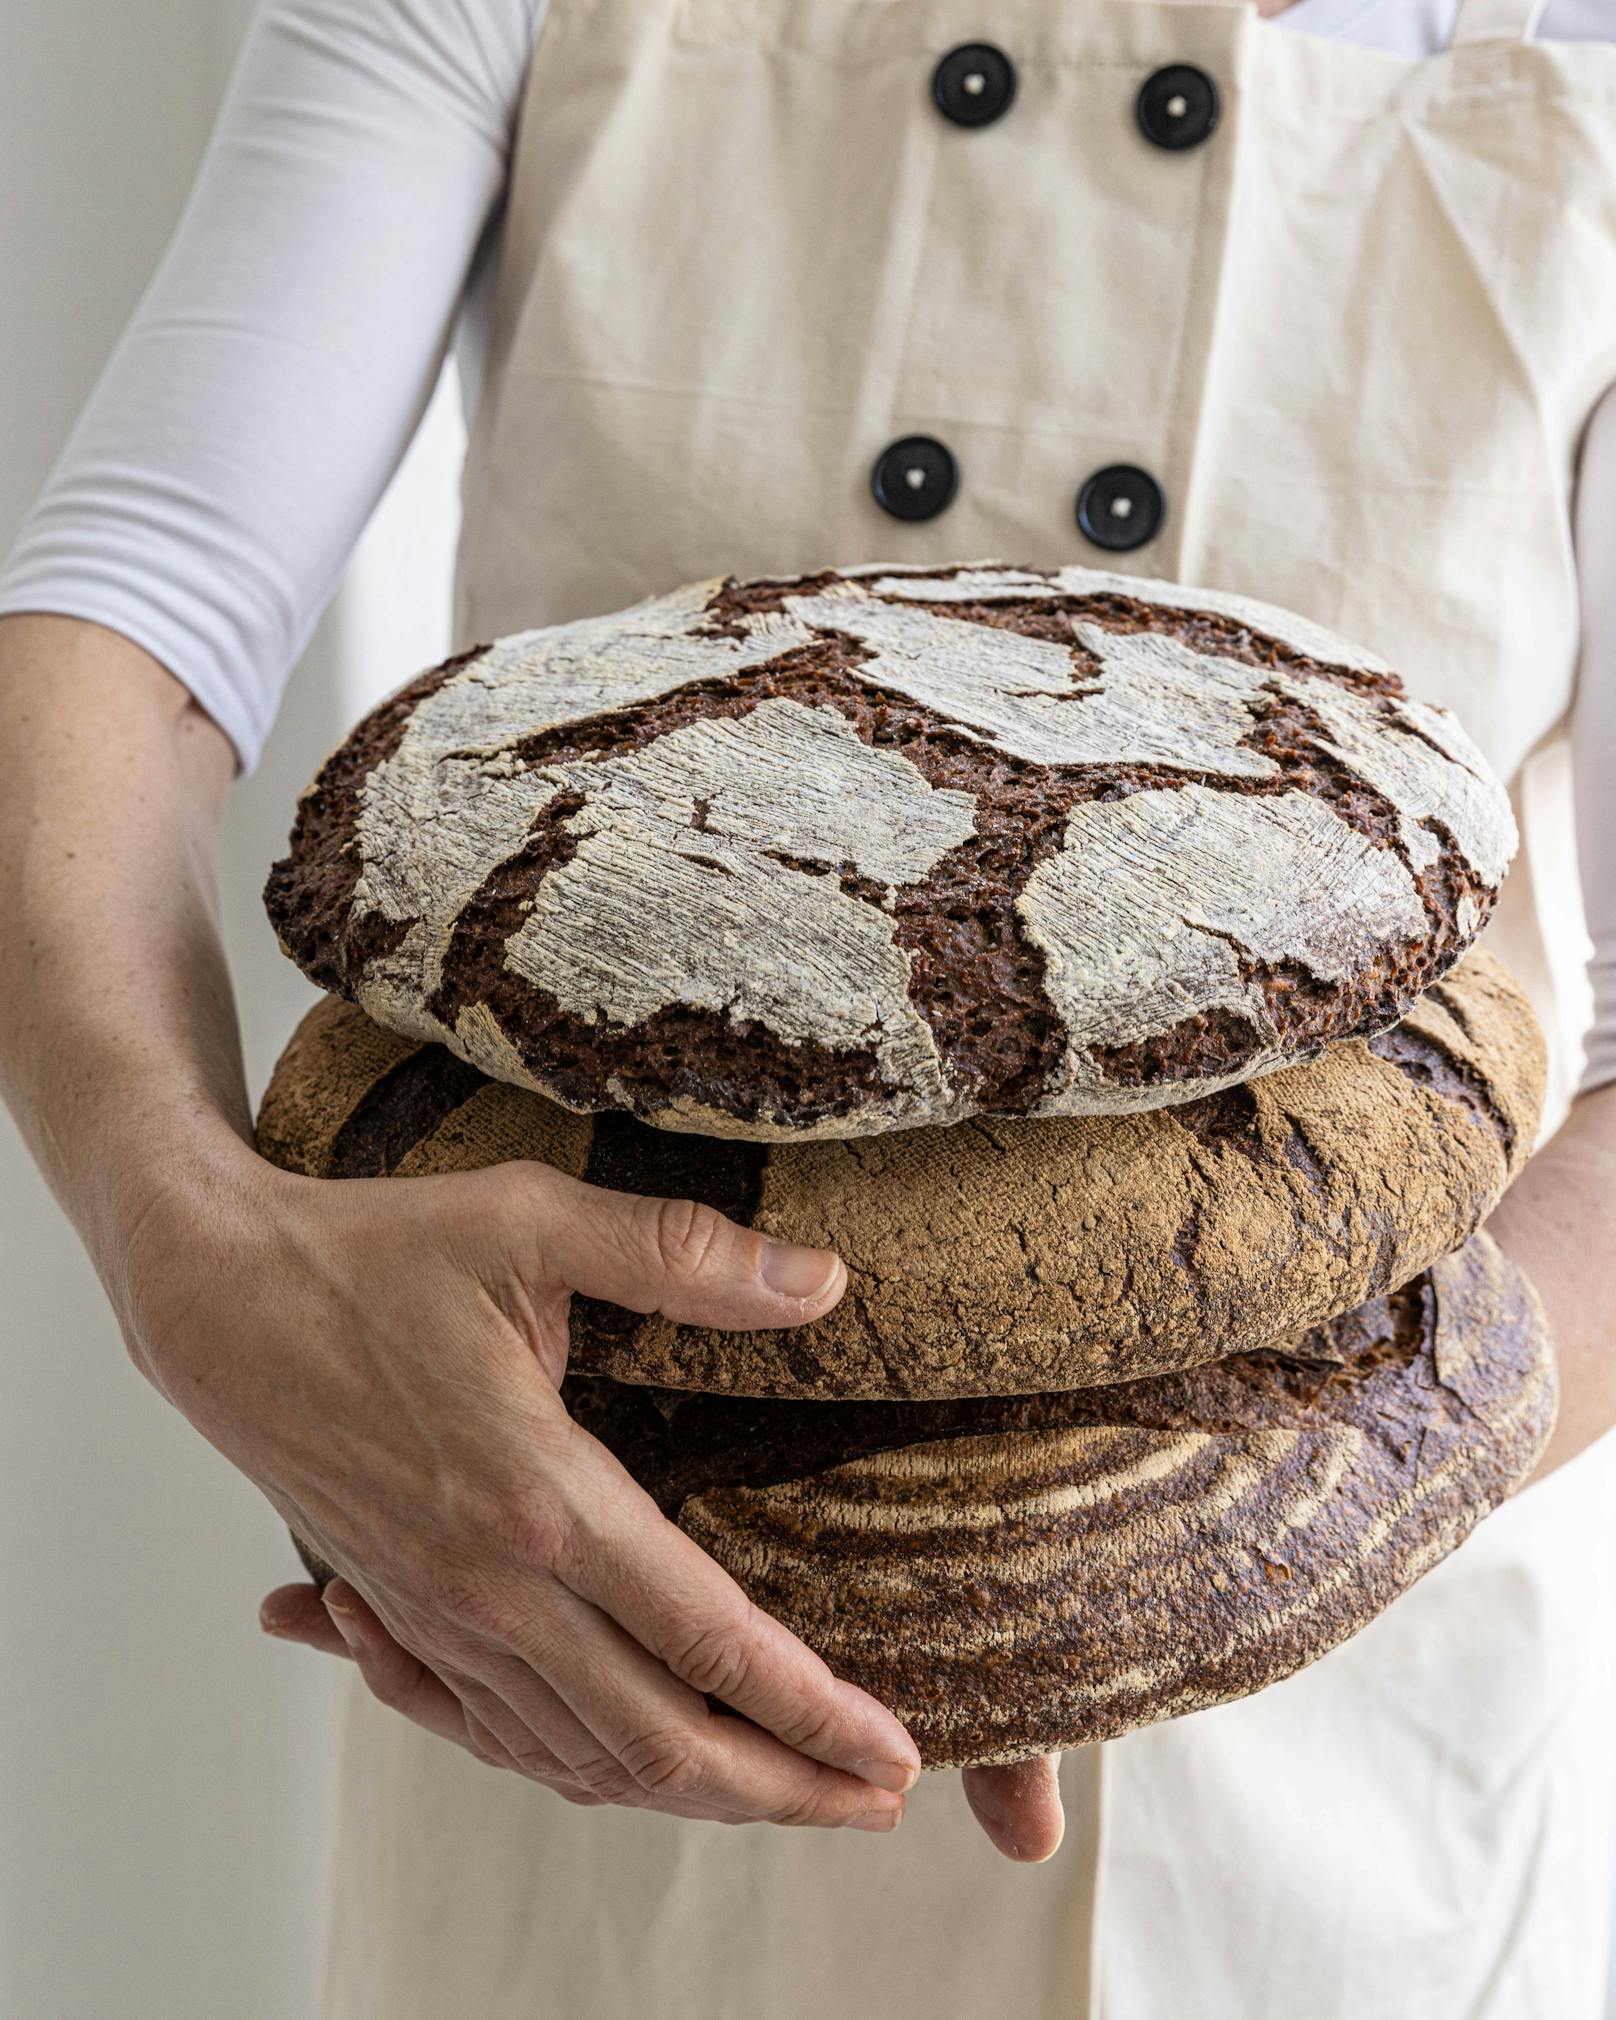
1348 342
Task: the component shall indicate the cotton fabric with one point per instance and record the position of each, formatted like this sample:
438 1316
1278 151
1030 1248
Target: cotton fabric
691 372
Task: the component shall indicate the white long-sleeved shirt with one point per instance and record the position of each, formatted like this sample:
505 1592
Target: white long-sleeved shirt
343 231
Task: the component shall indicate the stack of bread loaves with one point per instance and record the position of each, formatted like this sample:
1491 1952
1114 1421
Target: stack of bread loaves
1072 954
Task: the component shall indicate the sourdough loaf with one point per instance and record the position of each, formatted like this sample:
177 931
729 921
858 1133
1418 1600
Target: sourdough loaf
831 855
1019 1576
1001 1257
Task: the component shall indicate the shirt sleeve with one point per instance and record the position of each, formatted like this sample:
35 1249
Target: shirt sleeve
272 377
1593 730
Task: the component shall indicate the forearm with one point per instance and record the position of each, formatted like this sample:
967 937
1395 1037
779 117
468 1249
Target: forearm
380 1358
118 1049
1556 1222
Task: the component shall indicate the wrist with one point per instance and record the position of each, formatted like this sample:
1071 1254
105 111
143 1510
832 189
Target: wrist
170 1192
117 1126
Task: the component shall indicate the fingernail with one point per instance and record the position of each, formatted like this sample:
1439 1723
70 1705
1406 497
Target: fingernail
796 1272
876 1820
270 1623
344 1621
896 1775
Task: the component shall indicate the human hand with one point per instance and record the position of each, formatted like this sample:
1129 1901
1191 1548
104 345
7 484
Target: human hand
1019 1807
383 1359
1552 1225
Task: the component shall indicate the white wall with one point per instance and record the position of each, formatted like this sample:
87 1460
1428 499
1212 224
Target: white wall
162 1765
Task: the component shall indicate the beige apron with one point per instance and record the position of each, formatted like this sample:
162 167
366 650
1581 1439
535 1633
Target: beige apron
1354 335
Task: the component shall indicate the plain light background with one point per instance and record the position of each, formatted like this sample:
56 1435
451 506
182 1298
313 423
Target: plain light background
162 1765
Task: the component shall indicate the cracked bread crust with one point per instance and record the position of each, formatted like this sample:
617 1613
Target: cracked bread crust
833 855
1002 1257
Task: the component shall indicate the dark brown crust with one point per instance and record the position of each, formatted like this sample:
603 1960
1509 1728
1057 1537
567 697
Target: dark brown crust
1029 1636
401 1108
975 976
309 895
681 1442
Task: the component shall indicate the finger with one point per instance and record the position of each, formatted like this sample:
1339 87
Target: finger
681 1259
297 1613
659 1742
496 1731
392 1674
568 1740
668 1594
488 1716
488 1746
457 1707
1019 1807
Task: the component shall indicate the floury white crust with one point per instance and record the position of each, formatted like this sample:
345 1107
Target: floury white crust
860 851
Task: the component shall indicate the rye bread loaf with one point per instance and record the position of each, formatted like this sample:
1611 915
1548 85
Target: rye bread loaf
835 854
1002 1257
1018 1576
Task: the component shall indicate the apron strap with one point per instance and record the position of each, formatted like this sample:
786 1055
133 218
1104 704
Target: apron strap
1496 20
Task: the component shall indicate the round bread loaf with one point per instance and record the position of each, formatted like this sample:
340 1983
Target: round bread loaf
1020 1576
1015 1577
1008 1256
837 854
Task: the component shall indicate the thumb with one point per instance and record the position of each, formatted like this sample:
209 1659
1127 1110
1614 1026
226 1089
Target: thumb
1019 1807
680 1258
298 1613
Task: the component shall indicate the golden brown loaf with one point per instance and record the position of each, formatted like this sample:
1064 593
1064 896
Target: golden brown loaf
1000 1257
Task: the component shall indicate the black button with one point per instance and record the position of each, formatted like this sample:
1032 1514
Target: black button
915 478
1177 106
974 84
1120 507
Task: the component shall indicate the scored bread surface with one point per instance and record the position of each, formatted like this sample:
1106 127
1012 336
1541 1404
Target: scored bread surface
833 855
1017 1577
1007 1256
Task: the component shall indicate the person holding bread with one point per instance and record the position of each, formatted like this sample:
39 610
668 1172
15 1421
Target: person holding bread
1316 309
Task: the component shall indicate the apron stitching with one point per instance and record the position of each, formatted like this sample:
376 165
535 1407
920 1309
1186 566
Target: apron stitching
1093 2005
922 204
1189 427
